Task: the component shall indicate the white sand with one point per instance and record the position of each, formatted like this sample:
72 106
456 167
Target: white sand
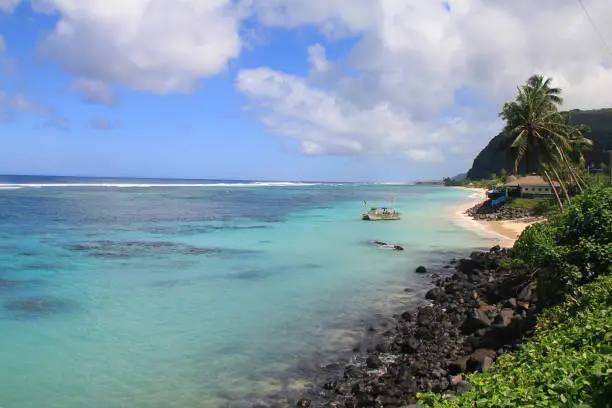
502 233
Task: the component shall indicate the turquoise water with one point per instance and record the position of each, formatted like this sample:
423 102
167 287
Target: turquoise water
198 296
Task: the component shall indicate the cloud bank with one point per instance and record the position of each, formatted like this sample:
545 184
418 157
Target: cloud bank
424 80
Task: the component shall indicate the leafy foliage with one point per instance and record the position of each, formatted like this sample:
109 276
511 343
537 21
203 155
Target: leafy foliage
573 249
542 206
494 157
568 362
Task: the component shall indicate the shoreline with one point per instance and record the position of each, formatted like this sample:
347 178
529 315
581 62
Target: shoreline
378 353
505 232
473 312
434 343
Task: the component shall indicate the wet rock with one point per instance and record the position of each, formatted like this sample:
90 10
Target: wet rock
406 316
352 371
373 362
504 318
398 248
303 403
472 314
509 303
421 269
330 385
384 347
410 345
436 294
477 319
468 265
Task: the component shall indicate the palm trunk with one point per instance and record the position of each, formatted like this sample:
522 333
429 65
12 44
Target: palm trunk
571 172
573 176
567 197
554 189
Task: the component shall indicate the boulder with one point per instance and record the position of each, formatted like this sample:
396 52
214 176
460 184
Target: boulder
458 366
463 387
456 379
469 265
528 293
406 316
436 294
303 403
410 345
504 318
509 303
477 319
398 248
421 269
352 371
481 360
373 362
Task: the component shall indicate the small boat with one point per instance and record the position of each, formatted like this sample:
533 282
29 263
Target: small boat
381 214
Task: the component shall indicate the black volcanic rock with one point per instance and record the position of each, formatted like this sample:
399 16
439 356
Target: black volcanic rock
473 315
421 269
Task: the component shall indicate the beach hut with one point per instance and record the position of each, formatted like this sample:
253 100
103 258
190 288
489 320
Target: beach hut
530 186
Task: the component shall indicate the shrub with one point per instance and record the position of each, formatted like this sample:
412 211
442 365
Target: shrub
568 362
541 206
537 244
571 249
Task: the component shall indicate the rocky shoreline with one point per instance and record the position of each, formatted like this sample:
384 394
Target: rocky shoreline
477 311
485 212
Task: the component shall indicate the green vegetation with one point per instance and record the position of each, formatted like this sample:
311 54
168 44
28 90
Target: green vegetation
542 206
495 157
540 137
568 362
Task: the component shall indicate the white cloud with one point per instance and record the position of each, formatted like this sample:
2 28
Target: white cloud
326 123
22 103
394 92
8 5
94 92
412 57
148 45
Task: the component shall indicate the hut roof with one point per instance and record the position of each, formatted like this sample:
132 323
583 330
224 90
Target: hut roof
528 181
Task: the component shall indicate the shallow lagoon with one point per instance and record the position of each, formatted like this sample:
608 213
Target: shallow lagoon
196 296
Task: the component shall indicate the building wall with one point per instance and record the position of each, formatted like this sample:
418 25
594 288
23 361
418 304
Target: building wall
536 191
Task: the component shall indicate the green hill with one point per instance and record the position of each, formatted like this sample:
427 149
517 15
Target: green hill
492 159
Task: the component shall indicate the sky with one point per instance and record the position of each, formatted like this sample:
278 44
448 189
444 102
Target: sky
338 90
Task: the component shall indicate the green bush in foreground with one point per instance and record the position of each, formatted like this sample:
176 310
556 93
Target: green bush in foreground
568 362
541 206
572 249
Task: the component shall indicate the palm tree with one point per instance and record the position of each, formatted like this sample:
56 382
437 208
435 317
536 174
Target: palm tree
542 83
533 125
540 136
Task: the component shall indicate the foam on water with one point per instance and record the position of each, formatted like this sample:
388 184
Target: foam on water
200 297
158 185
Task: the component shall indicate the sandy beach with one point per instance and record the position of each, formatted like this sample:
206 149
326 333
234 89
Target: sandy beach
504 233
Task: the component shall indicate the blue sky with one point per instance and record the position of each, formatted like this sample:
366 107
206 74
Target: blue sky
272 90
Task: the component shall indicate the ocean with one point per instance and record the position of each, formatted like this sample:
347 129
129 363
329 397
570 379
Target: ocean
196 294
